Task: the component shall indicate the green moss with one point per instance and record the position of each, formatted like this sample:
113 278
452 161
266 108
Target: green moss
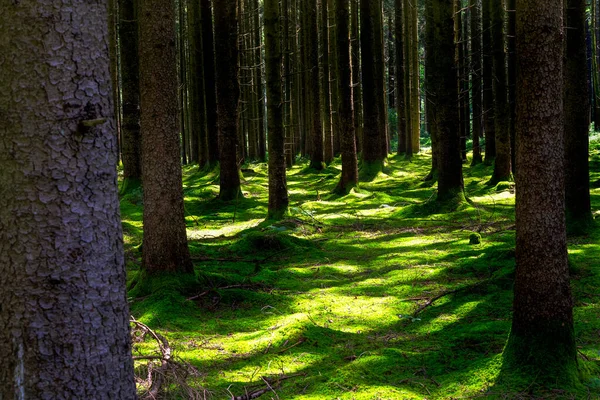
474 238
328 294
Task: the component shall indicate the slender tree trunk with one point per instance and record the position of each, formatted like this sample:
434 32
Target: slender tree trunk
577 118
415 102
278 195
356 83
165 246
512 78
391 46
349 177
228 95
460 61
443 92
502 164
406 12
130 89
208 51
400 74
313 85
325 88
489 125
260 87
64 330
199 109
476 78
541 338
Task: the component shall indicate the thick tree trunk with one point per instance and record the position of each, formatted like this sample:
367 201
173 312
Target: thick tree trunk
542 338
577 118
130 89
371 40
278 195
502 164
210 94
349 177
443 93
165 246
64 330
228 95
476 78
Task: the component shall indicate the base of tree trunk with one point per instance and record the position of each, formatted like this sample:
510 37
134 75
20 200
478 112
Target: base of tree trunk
494 180
450 200
231 194
477 159
432 176
277 214
317 165
344 188
543 358
370 169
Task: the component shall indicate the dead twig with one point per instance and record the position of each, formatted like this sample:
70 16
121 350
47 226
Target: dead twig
443 294
270 383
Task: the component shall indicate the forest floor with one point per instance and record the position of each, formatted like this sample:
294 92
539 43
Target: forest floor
374 295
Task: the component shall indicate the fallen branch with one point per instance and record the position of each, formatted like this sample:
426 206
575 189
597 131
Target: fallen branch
443 294
270 384
195 297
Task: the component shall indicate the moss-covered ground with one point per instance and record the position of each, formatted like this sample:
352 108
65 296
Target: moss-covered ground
375 295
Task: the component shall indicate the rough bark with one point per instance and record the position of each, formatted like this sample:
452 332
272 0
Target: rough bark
541 339
460 76
210 94
313 86
260 89
489 126
476 78
577 118
325 87
349 177
228 95
64 330
371 41
165 246
443 93
415 101
511 77
278 194
356 83
408 120
502 164
198 88
130 92
400 73
430 106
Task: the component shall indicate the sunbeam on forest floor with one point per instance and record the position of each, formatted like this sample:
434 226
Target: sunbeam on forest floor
374 295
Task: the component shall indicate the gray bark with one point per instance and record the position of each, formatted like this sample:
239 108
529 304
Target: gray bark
64 331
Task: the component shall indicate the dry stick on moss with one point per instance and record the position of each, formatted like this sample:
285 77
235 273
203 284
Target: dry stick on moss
270 382
443 294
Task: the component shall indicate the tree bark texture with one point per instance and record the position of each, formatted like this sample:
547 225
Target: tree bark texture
228 95
64 330
278 194
577 117
476 78
489 127
210 87
313 85
356 83
349 177
165 246
400 84
130 90
371 40
326 89
542 337
443 95
502 165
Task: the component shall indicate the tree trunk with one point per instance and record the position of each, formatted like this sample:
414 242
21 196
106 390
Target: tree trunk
476 80
260 88
489 126
415 101
502 165
460 61
64 330
400 74
208 52
349 177
356 83
512 78
130 89
278 194
165 246
228 95
443 93
577 118
541 338
406 13
371 40
313 85
199 105
325 87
